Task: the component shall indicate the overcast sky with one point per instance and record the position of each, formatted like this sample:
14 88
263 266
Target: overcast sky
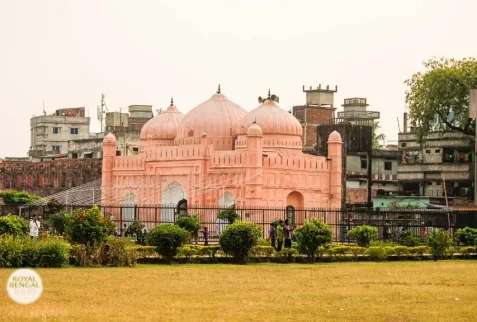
66 53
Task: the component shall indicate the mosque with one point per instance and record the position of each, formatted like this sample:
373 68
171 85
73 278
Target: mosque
218 154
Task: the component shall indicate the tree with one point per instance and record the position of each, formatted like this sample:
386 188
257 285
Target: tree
377 137
442 90
18 198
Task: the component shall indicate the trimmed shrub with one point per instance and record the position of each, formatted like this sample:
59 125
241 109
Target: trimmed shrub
167 239
189 223
438 241
210 251
312 235
146 251
287 254
467 236
238 239
363 235
376 253
136 228
262 251
19 251
187 251
401 251
13 225
406 239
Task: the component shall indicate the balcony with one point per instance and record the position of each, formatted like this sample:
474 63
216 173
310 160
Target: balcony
419 172
362 115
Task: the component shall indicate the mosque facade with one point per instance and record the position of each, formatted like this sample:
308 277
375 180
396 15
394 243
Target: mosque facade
219 155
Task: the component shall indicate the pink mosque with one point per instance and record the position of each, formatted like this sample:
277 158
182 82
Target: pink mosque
219 154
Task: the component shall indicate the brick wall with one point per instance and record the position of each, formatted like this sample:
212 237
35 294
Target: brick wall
358 195
314 116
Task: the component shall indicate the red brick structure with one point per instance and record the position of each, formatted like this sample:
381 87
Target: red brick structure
47 178
318 109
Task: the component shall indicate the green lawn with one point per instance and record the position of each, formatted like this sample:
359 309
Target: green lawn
389 291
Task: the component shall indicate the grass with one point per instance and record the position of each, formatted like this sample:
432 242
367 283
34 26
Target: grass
389 291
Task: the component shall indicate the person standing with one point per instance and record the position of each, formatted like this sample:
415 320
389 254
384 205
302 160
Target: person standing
287 232
206 237
280 235
272 235
34 227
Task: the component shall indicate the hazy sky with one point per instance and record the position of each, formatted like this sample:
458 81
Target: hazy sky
67 53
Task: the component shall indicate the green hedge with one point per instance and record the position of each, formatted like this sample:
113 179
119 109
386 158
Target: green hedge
19 251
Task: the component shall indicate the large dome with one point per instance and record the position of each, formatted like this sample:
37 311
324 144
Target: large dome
217 117
164 126
272 120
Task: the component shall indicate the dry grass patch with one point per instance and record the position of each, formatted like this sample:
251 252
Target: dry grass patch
400 291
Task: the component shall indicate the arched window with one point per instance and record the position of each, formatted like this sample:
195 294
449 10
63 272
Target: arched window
182 208
290 214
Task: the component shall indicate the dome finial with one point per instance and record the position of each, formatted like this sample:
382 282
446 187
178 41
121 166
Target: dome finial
255 122
172 101
218 90
269 93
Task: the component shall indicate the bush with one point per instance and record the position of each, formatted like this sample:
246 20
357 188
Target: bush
312 235
363 235
167 239
238 239
287 254
467 236
121 253
438 241
377 253
87 227
146 251
210 251
20 251
262 251
229 215
13 225
406 239
58 222
189 223
13 197
187 251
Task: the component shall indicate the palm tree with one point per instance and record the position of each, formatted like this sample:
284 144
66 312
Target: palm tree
377 138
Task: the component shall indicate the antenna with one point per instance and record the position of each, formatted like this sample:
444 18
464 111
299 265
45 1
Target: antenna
102 110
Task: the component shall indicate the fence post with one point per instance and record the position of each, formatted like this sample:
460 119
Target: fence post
155 216
263 222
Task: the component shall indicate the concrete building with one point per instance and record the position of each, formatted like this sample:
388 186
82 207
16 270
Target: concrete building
318 109
219 154
443 165
50 133
356 109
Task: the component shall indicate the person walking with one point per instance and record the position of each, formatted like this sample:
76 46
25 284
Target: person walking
272 235
287 232
206 237
280 235
34 227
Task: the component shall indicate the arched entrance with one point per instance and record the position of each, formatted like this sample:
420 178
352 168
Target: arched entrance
295 201
227 200
182 208
172 194
129 210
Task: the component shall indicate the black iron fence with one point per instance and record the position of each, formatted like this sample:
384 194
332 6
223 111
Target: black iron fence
390 223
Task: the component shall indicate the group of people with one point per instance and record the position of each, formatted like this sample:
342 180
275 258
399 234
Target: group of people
281 235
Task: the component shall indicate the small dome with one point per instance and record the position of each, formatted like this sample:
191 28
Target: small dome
334 137
272 120
218 117
163 126
110 138
255 130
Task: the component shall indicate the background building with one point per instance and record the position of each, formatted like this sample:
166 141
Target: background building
443 165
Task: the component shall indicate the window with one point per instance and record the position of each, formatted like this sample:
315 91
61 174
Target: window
56 148
428 151
437 151
364 164
135 150
118 153
404 144
88 155
388 165
74 155
56 130
74 131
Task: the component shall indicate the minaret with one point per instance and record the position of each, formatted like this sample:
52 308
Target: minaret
109 153
254 163
334 153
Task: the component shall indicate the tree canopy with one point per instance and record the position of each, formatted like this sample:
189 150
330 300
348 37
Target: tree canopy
12 197
443 90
